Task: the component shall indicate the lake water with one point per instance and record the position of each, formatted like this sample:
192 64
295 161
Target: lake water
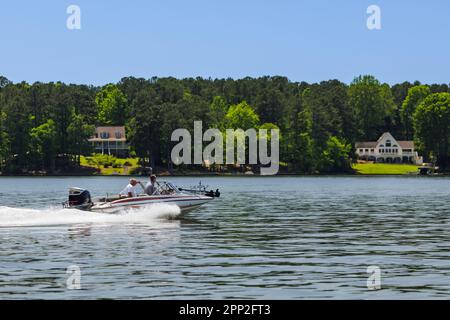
267 238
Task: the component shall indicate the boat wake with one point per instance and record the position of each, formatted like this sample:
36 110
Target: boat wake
22 217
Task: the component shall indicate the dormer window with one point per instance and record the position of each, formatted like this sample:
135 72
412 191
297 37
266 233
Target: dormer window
118 135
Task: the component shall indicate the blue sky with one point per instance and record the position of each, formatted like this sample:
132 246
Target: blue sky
303 40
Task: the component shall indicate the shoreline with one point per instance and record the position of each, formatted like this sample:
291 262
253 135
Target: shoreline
232 175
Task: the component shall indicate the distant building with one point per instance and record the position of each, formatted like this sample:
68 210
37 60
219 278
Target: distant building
387 149
110 140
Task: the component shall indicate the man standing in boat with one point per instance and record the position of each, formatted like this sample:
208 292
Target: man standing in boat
130 189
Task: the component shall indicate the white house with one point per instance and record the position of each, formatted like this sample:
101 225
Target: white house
387 149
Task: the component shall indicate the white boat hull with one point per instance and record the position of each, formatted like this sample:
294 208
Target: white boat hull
184 202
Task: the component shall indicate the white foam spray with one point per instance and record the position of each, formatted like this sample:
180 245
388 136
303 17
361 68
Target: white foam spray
21 217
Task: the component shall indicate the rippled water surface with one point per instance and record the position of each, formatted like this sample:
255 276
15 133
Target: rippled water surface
271 238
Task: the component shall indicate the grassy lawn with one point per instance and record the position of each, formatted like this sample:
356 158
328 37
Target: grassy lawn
121 170
384 168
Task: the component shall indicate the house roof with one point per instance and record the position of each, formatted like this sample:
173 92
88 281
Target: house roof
373 144
406 144
366 144
386 134
112 133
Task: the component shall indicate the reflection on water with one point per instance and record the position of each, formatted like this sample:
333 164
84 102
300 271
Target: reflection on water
264 238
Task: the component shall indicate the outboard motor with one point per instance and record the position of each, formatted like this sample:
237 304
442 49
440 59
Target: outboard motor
78 199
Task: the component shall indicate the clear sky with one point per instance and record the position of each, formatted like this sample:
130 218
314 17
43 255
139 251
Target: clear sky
310 40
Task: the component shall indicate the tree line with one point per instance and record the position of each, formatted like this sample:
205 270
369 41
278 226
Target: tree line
45 126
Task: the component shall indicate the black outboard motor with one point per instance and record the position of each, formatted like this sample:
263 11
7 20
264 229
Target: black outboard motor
78 199
213 194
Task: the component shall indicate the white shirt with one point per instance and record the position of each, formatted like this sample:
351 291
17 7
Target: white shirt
129 189
150 189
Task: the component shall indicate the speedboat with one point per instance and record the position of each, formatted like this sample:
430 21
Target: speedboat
166 192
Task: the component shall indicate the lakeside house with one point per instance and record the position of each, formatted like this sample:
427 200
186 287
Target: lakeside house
110 140
388 150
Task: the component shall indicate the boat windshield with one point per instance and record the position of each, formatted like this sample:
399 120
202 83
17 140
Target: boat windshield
165 187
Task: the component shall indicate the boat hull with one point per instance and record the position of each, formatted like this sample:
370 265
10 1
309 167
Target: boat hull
185 203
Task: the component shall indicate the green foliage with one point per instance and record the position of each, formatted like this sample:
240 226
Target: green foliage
308 116
372 103
413 99
218 112
270 105
43 139
108 164
242 116
4 140
432 127
112 106
304 144
78 133
335 157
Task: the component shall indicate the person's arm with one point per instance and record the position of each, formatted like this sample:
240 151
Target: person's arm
130 192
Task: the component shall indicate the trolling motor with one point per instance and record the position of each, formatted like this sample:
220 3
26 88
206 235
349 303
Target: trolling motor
201 189
213 194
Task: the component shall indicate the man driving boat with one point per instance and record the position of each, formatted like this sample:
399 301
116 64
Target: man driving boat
130 189
151 187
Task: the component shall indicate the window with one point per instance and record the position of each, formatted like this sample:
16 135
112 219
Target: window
104 135
361 150
372 150
367 150
388 143
118 135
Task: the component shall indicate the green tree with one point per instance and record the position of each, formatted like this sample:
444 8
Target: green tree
17 125
4 82
4 141
144 126
336 156
43 139
372 103
304 144
242 116
112 106
270 105
415 96
218 112
79 131
432 127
